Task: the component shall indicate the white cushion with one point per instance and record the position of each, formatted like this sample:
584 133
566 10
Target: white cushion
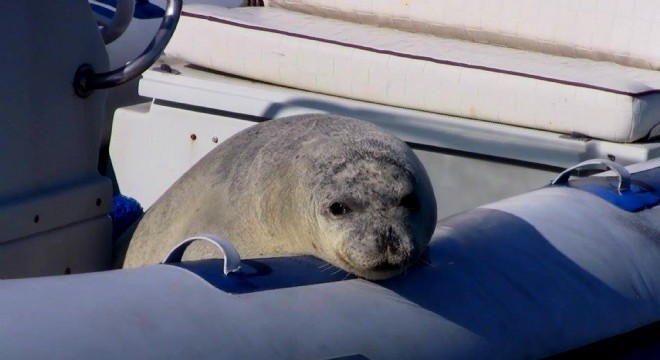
622 31
597 99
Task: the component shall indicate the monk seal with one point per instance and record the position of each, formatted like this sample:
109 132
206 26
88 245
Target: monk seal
338 188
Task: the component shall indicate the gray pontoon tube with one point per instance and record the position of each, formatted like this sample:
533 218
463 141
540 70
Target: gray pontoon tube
530 276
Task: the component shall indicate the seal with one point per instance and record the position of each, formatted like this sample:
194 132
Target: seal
337 188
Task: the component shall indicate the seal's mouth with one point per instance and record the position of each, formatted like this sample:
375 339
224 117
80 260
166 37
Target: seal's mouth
384 269
392 265
380 271
391 256
386 266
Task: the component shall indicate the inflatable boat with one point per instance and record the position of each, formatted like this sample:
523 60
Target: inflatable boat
535 254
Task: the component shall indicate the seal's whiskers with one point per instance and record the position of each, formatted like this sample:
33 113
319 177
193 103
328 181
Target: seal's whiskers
347 276
424 262
329 267
336 272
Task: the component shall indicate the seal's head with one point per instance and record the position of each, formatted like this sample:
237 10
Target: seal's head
373 201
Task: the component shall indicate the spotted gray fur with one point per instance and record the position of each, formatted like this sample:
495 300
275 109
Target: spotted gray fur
270 190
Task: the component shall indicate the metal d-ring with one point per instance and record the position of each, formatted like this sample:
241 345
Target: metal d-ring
86 80
621 172
232 258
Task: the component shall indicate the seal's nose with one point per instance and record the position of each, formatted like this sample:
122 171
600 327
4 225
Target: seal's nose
389 241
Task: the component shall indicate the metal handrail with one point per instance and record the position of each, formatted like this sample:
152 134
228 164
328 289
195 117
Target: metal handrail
86 80
111 29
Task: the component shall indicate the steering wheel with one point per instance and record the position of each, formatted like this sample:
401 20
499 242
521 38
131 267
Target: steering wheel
113 25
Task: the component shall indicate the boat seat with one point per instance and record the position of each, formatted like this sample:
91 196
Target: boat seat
619 31
419 71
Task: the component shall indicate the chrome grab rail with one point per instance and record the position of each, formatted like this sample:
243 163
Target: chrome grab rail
112 28
86 80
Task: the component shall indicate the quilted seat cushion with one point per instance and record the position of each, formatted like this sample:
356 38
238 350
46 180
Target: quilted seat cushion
626 32
423 72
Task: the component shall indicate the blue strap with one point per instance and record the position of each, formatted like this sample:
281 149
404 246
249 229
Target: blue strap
628 192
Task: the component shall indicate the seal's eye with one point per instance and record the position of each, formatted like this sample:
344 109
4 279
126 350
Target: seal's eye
339 209
410 202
